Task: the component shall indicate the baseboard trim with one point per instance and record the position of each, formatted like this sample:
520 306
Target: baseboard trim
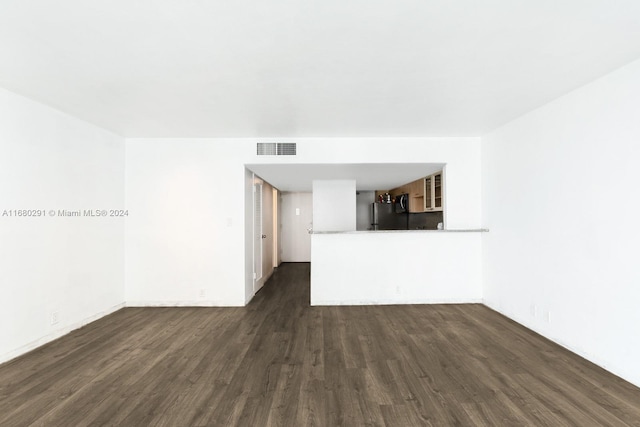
596 361
184 304
398 302
57 334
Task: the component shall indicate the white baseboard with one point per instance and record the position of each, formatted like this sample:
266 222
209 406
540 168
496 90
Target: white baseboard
248 299
57 334
595 360
425 301
195 303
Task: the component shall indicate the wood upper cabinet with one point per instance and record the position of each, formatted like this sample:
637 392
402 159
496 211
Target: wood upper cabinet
416 195
433 193
399 190
437 191
416 188
425 194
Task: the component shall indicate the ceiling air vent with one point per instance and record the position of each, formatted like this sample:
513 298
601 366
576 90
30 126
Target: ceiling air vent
276 148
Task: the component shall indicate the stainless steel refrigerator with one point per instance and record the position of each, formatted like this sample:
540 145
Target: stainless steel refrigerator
384 217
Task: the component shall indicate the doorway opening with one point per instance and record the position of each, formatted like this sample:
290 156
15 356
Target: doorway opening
266 240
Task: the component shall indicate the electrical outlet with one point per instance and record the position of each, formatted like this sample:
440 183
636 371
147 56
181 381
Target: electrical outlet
55 317
534 310
548 316
201 293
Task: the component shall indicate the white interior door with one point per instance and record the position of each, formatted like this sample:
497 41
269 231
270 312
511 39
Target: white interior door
263 233
296 219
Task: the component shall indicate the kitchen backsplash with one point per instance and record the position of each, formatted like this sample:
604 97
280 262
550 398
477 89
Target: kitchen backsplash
424 221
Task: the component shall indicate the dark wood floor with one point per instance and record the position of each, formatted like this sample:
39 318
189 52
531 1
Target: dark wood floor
280 362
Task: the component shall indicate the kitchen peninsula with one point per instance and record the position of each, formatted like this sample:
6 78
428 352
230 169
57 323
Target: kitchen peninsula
396 267
350 267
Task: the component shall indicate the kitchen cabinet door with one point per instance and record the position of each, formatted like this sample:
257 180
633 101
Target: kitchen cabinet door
437 191
416 188
433 192
416 196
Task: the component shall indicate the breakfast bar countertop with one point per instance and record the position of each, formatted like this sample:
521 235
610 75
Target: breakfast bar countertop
462 230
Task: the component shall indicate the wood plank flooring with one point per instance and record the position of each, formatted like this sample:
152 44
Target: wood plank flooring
279 361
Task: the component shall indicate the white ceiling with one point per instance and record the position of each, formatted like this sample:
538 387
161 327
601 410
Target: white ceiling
372 176
288 68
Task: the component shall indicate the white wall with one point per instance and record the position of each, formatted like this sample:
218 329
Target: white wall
183 236
334 205
72 266
560 196
396 268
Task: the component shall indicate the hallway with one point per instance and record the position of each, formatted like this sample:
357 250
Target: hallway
279 361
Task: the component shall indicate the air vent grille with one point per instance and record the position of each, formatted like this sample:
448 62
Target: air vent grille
276 148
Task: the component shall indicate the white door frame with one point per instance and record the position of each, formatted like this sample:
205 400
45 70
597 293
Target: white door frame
265 241
257 234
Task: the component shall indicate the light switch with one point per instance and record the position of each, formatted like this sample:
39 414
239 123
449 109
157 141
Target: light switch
297 211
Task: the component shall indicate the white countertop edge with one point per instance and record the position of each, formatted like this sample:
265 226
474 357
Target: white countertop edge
468 230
